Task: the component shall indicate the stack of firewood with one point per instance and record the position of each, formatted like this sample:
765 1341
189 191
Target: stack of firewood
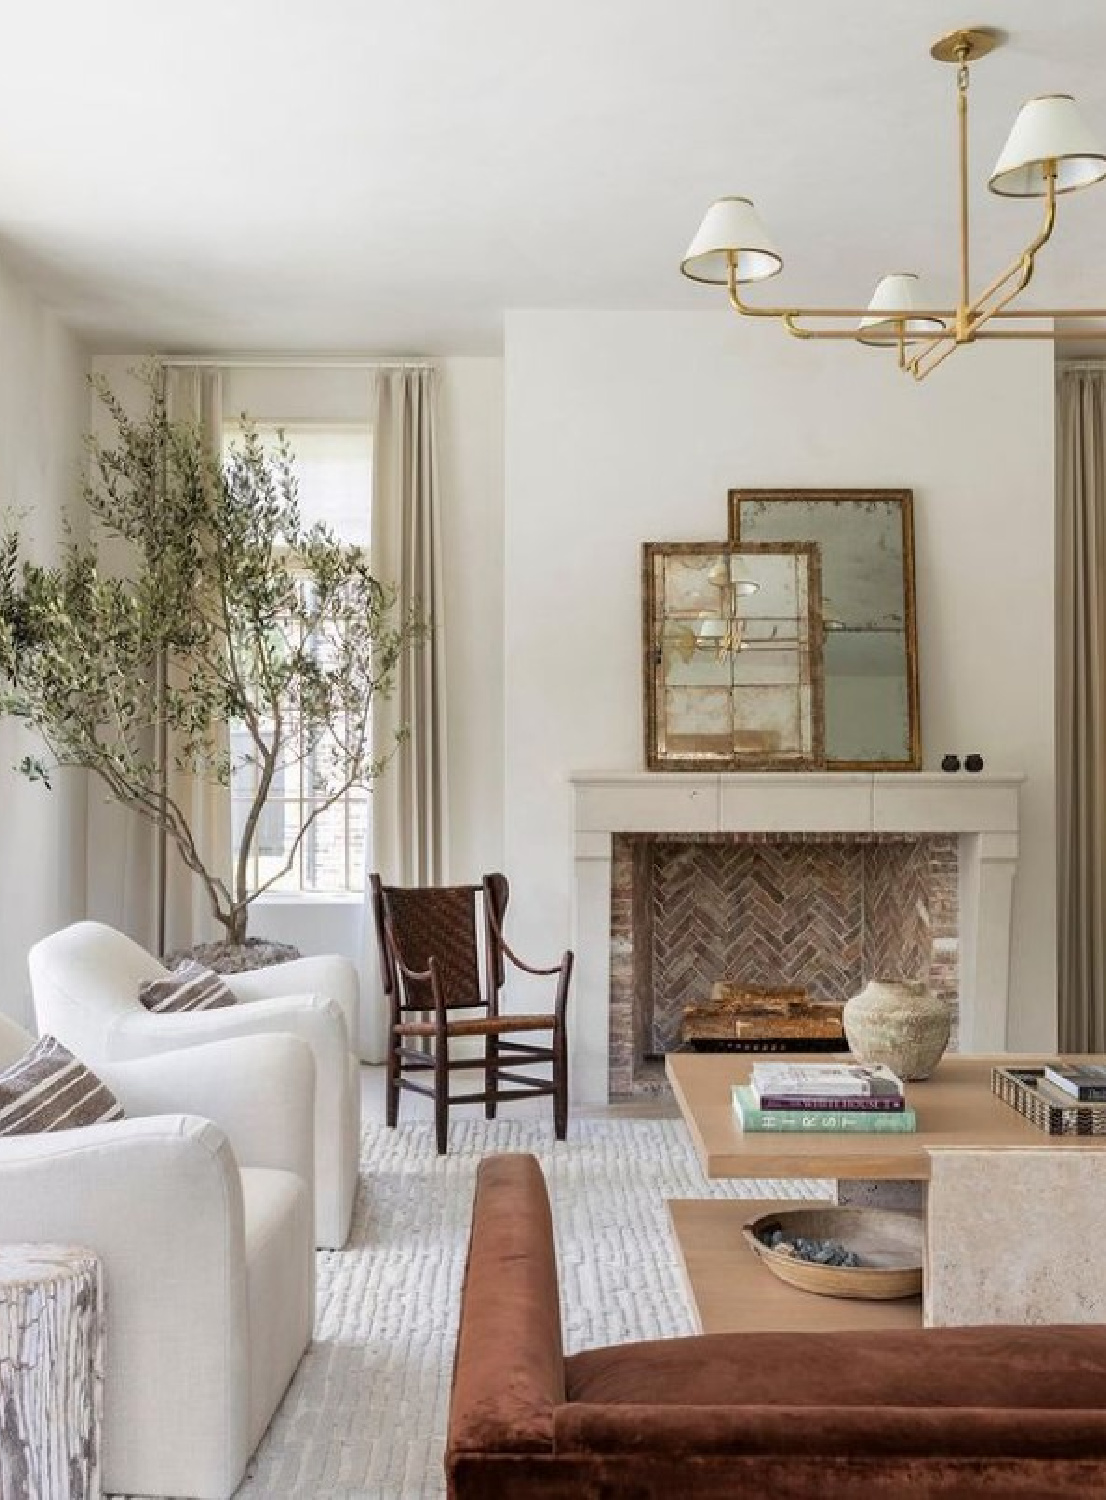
743 1012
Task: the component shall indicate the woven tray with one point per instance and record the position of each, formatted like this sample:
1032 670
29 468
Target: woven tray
1022 1089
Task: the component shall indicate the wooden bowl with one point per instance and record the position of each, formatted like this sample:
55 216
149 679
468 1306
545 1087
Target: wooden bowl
889 1244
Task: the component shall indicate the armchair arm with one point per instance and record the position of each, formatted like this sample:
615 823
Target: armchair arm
327 974
259 1090
564 977
557 968
313 1018
159 1200
130 1183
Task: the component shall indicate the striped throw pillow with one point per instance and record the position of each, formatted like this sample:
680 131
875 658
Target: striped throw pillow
48 1089
189 987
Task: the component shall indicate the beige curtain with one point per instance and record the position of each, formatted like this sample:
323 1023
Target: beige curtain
1081 708
122 847
409 806
195 394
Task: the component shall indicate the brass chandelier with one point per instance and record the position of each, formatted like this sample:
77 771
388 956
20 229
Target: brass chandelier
1049 151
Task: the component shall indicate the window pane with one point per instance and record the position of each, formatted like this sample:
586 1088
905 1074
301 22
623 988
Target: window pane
333 465
334 469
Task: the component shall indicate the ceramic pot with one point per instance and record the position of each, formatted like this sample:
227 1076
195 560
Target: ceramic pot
899 1024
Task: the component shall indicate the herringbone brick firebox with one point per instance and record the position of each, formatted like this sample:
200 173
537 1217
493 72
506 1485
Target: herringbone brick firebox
827 911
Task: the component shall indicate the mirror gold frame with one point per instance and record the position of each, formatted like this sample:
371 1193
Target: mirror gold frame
741 502
732 681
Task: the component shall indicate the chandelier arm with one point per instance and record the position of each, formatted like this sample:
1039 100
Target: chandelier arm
744 308
789 321
985 316
1047 333
749 310
1052 312
926 362
1018 266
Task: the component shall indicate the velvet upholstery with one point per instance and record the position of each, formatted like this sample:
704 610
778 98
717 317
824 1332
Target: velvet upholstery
996 1411
509 1370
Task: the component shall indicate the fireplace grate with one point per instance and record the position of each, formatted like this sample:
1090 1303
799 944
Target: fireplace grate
765 1044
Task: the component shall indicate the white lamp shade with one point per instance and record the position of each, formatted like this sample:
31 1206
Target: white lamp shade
731 226
895 296
728 575
1048 129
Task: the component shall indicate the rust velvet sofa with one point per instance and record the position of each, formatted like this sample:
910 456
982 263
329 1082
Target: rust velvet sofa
966 1412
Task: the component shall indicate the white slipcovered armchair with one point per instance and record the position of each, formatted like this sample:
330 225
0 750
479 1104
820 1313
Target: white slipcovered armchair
204 1231
85 981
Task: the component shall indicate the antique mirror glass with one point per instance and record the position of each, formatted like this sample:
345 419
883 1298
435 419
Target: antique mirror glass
865 540
733 674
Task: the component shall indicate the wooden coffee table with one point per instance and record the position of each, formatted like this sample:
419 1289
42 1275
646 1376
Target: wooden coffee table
955 1108
730 1288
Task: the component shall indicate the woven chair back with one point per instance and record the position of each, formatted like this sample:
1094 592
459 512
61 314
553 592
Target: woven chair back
437 922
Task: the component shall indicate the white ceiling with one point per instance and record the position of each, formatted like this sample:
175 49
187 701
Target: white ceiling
389 177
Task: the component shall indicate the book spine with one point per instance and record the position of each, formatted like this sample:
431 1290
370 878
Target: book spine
842 1088
827 1121
871 1105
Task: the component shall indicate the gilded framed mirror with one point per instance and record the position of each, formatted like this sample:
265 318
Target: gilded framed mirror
732 656
865 540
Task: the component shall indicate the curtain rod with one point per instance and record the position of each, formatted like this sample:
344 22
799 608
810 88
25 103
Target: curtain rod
1087 365
291 362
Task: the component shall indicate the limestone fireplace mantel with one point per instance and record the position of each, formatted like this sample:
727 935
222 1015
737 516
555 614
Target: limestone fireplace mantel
982 810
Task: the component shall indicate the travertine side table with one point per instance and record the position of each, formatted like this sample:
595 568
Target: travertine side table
51 1372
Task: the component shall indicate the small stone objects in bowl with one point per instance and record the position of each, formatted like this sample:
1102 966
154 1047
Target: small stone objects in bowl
840 1251
820 1252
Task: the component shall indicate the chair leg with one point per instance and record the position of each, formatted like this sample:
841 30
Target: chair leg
392 1092
441 1093
560 1084
491 1063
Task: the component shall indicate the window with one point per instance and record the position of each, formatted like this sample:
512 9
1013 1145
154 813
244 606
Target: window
334 470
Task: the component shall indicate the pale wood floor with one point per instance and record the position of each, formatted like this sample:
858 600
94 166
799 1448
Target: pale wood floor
412 1107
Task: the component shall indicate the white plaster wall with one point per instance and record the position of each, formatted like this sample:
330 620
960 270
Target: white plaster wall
42 415
627 427
471 455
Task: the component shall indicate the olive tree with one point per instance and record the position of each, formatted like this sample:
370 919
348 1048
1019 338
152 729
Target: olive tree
201 600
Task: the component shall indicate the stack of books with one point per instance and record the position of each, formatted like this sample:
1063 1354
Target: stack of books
1083 1081
830 1097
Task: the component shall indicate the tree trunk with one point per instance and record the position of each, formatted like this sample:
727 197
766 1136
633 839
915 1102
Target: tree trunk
51 1372
237 920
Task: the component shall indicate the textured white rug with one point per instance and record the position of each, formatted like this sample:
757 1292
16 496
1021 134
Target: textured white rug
365 1417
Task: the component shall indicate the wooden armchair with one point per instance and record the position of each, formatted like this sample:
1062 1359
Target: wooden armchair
428 946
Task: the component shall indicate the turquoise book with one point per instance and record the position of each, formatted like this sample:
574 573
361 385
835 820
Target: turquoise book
828 1121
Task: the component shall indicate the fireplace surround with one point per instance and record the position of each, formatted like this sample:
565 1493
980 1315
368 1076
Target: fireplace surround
975 817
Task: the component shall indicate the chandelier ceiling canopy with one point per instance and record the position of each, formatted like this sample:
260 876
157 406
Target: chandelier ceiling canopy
1050 151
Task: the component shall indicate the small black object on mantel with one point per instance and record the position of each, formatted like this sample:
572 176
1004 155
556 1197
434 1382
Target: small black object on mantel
950 763
973 763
